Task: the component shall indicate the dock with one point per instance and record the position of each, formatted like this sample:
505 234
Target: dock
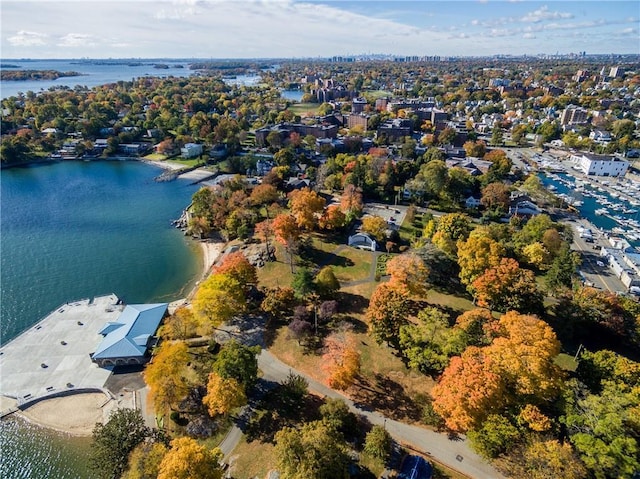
52 358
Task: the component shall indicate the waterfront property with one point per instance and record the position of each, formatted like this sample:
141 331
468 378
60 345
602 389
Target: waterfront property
53 356
72 349
127 340
600 165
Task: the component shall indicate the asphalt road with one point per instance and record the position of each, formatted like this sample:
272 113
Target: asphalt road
455 453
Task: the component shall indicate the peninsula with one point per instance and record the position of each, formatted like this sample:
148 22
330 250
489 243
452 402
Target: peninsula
24 75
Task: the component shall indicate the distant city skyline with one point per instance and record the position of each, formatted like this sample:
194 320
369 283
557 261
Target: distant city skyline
293 29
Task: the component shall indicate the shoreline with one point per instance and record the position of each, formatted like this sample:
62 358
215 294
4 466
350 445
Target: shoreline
77 414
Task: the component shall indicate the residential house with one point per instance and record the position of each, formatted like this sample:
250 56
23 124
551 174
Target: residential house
191 150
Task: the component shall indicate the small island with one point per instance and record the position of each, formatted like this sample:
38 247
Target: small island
24 75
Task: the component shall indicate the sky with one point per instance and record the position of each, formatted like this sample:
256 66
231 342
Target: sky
50 29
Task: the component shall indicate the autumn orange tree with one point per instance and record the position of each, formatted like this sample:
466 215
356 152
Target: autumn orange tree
165 375
306 205
187 459
468 390
218 299
351 200
495 196
409 270
223 395
332 219
508 286
387 311
236 266
341 360
517 369
287 233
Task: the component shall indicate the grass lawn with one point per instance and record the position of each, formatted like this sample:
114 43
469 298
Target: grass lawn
186 162
384 383
352 265
155 157
449 301
276 273
375 94
303 109
252 459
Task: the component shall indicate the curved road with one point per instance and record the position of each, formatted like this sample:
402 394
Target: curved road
452 452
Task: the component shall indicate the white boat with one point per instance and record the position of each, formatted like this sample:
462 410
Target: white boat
601 211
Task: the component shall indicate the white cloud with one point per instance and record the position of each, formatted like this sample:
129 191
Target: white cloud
529 35
77 40
28 39
543 13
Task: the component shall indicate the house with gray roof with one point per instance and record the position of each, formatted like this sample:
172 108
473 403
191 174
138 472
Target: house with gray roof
127 340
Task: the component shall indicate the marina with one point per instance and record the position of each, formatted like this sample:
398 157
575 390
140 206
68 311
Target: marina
611 204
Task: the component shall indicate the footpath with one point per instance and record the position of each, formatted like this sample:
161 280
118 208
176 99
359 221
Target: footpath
453 452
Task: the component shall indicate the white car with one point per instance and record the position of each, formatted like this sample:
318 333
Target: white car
600 263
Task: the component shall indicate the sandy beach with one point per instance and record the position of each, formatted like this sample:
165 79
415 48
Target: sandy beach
76 414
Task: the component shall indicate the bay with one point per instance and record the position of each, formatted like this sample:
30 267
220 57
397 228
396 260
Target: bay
94 73
74 230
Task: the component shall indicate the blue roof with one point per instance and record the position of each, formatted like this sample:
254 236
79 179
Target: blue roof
128 336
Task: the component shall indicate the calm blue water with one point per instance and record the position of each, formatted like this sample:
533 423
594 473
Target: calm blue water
92 74
74 230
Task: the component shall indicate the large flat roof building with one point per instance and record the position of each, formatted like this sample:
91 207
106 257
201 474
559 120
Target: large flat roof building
600 165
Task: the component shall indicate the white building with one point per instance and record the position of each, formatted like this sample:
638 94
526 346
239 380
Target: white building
191 150
600 165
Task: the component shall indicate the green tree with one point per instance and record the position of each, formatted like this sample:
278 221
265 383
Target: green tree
302 283
378 443
496 436
562 269
113 441
314 451
239 362
336 412
497 136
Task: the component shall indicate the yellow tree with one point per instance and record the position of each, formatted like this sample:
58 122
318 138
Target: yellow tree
375 226
165 375
223 395
189 460
182 324
305 205
341 360
410 271
144 461
476 255
525 356
218 299
536 255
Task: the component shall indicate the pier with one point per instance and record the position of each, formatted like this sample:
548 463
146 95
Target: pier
52 358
